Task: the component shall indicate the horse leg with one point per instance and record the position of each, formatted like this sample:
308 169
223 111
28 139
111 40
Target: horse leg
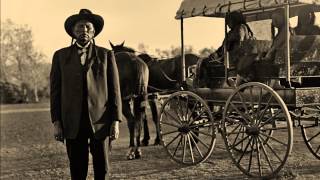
139 112
126 110
146 133
155 113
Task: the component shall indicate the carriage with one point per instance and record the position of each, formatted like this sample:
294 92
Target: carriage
255 119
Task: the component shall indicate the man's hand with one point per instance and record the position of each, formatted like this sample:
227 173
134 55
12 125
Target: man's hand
58 133
114 130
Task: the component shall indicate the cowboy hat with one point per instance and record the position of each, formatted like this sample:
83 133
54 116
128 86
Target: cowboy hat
84 14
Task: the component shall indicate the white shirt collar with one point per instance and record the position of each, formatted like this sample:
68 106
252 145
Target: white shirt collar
83 47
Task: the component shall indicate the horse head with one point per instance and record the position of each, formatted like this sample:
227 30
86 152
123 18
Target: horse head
121 48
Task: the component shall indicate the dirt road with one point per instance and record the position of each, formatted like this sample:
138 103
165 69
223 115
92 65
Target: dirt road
28 151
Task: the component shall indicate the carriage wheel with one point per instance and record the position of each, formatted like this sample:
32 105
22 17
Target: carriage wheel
311 134
257 130
187 128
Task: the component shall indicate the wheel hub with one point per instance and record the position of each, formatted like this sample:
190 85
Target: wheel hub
253 131
184 129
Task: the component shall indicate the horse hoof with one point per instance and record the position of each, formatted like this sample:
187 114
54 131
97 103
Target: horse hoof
144 142
157 142
131 154
138 153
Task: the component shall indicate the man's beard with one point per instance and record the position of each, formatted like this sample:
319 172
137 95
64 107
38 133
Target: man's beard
83 38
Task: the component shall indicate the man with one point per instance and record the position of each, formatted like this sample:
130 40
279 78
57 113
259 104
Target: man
85 96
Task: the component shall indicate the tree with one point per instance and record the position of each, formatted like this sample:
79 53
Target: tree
21 63
173 52
142 48
205 52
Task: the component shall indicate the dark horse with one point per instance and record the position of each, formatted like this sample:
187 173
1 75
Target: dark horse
164 76
134 76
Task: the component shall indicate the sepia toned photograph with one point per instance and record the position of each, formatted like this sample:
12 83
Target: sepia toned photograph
160 89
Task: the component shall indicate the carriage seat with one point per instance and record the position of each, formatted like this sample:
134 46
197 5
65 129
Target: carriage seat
217 70
213 73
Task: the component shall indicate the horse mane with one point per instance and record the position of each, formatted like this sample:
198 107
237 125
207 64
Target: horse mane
121 48
147 58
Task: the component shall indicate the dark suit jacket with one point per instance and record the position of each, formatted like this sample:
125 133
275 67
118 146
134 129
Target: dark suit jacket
66 89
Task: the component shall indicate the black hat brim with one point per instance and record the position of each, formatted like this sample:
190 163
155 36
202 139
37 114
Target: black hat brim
96 20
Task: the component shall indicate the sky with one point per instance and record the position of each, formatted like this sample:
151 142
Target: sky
134 21
150 22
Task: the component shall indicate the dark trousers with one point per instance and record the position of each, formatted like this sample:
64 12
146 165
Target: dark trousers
78 152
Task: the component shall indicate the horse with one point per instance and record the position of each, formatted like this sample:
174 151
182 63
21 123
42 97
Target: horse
133 76
164 76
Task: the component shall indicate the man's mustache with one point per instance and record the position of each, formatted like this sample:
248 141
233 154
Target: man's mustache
84 35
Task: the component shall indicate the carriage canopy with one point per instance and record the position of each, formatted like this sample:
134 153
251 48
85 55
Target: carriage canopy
253 9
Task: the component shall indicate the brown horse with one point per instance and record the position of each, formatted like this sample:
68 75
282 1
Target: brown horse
164 76
134 76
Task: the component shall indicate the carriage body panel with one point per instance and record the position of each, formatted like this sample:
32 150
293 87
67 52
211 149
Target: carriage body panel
293 98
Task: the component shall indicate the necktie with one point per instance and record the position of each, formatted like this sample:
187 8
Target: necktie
83 55
82 51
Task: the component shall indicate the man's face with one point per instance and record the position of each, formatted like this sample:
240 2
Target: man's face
83 31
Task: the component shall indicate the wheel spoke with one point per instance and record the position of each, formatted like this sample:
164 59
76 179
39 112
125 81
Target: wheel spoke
192 111
191 152
197 131
197 117
235 139
179 116
233 130
242 136
239 112
241 141
187 109
270 137
314 136
170 124
251 153
245 149
175 151
309 126
258 157
318 149
269 119
265 154
195 144
184 148
265 108
242 102
259 103
180 108
273 129
272 150
195 136
167 113
167 145
251 99
170 132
